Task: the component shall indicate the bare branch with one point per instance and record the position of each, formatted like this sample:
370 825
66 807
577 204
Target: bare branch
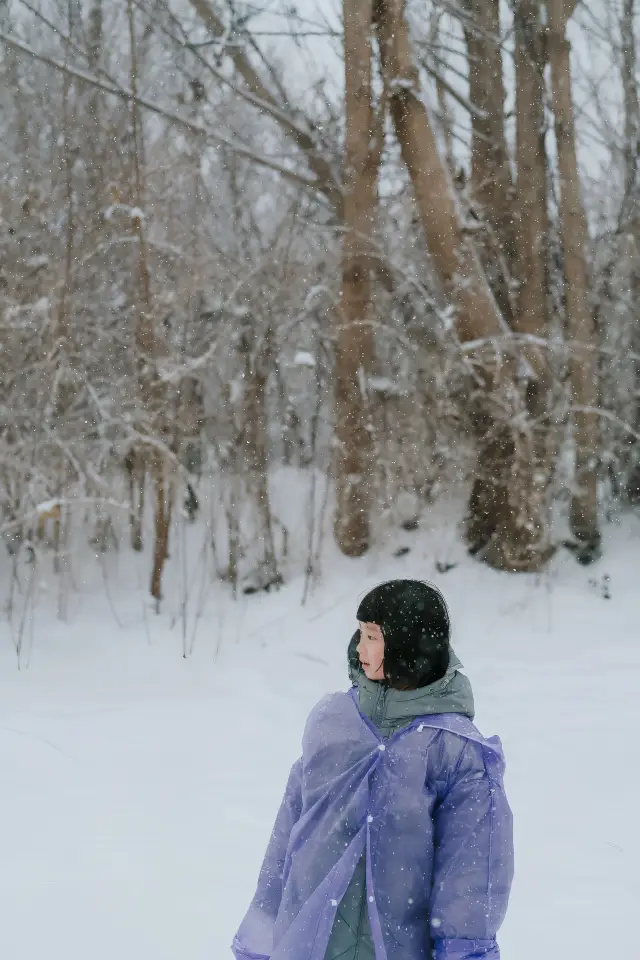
114 89
306 141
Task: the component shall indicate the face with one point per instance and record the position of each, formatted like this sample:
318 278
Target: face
371 650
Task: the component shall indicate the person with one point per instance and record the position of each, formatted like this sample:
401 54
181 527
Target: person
394 837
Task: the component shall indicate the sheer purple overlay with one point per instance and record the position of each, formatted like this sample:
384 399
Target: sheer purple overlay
427 810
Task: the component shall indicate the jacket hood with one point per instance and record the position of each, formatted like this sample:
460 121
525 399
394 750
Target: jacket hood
451 694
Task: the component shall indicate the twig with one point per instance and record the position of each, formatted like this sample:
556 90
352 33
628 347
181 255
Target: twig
123 94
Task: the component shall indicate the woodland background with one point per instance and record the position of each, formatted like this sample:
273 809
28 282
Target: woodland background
388 251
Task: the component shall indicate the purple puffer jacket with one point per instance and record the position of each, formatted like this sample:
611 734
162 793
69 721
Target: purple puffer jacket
426 807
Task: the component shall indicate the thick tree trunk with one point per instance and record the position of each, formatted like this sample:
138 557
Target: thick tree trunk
580 320
508 510
531 217
493 196
458 265
354 336
491 180
529 264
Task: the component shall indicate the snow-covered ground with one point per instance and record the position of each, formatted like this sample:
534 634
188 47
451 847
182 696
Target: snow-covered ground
138 788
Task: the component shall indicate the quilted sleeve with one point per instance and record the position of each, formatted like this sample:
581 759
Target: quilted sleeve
473 865
254 939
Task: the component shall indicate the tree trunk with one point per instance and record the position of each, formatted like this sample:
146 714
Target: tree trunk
254 451
136 475
491 180
95 173
501 422
580 320
629 67
528 236
631 216
531 220
354 336
456 260
444 114
492 193
163 508
150 344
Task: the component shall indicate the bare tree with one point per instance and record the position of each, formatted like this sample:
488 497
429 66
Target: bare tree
354 337
630 214
491 214
458 265
298 128
512 538
528 243
150 345
170 298
491 179
580 319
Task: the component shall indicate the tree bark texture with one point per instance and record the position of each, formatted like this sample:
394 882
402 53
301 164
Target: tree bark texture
491 180
151 346
631 215
459 268
526 482
581 325
255 453
503 522
354 351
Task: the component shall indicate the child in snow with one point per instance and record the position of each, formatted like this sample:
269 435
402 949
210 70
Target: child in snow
394 838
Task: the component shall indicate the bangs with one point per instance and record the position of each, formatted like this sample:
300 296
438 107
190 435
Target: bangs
371 607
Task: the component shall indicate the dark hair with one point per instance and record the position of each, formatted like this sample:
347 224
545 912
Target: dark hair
414 620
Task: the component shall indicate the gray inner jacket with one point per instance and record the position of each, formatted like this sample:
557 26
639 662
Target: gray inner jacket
390 711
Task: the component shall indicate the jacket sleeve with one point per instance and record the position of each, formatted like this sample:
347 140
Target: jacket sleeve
473 864
254 939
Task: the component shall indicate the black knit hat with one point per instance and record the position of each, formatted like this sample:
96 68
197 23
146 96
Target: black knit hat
414 620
